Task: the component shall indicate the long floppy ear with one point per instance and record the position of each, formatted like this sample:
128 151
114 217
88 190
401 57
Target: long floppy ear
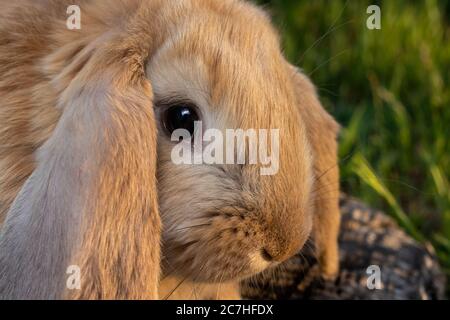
90 206
322 133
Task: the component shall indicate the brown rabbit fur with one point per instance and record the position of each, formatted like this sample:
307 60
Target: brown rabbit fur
86 176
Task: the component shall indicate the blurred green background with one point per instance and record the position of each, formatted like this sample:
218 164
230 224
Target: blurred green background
389 89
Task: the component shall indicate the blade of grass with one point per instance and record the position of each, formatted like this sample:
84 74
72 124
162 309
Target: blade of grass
362 168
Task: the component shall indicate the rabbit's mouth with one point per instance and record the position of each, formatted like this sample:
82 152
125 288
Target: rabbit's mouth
221 250
217 268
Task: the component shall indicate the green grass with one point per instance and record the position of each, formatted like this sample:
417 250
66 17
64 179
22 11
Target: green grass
389 89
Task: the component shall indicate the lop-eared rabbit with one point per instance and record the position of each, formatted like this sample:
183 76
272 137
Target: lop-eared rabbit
86 176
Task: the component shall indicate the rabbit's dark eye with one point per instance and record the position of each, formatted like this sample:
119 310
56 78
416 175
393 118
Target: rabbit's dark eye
181 116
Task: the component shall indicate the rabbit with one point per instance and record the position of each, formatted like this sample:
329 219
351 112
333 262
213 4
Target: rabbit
86 171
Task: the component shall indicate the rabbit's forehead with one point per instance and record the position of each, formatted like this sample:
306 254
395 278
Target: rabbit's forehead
238 86
227 60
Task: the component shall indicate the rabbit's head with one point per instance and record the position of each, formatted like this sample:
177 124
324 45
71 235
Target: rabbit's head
105 105
222 65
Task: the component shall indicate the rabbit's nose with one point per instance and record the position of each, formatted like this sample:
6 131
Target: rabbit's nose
266 255
280 250
275 255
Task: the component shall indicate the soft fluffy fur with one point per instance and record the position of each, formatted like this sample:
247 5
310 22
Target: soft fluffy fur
79 113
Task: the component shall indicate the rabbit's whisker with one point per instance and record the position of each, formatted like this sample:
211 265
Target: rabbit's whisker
219 285
174 289
331 29
194 226
328 32
323 173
